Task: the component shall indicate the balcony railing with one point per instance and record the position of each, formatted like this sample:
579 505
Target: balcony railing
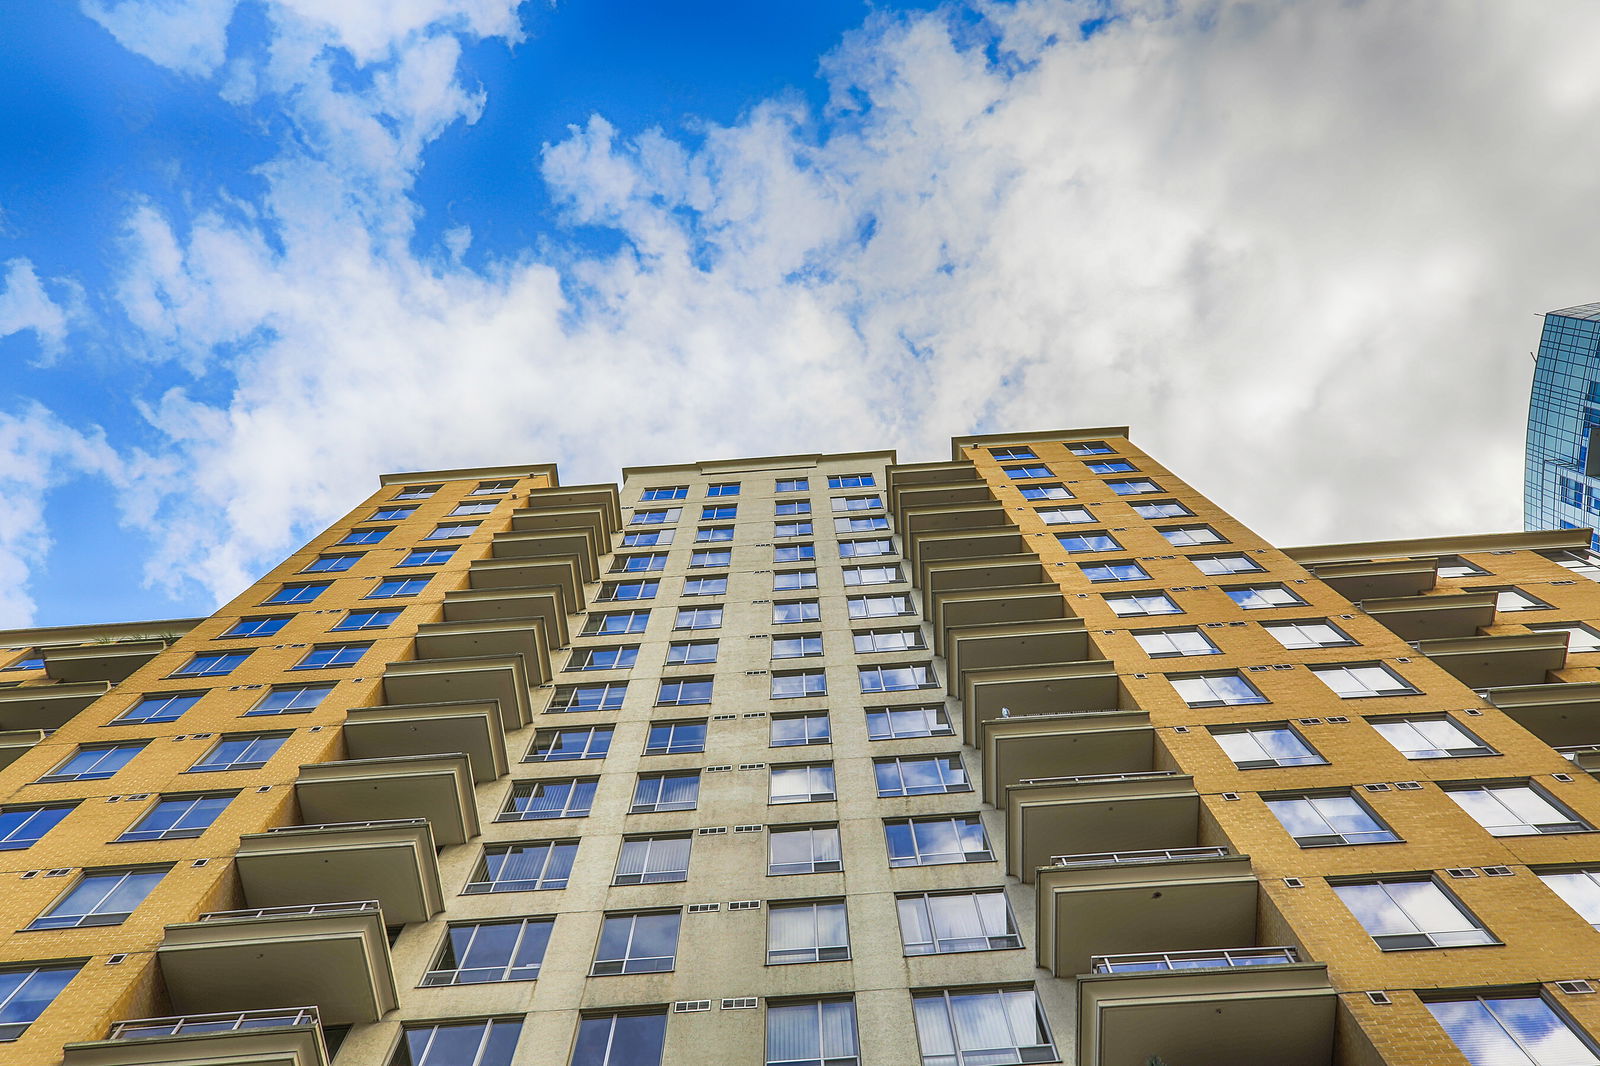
1137 775
353 907
1570 752
381 823
1193 960
1007 712
197 1024
1118 858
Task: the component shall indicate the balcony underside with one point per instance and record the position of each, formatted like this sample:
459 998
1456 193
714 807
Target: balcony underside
484 637
1502 660
1371 578
1062 745
100 662
953 547
1057 688
1022 644
529 573
435 787
576 545
1434 617
474 727
47 706
499 678
1560 715
979 607
548 604
989 572
601 498
1046 819
395 864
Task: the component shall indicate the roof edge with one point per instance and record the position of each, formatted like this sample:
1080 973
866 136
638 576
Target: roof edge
1035 436
756 463
78 634
1537 539
466 473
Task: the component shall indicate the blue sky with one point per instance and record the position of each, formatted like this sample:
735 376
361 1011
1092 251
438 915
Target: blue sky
254 252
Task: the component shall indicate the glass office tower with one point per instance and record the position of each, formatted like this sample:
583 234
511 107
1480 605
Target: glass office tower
1562 486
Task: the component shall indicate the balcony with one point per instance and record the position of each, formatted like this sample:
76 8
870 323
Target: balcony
473 727
1365 578
484 637
563 574
1007 644
334 956
1057 688
949 547
600 497
955 472
1560 715
1207 1009
312 864
1029 747
435 787
110 661
1496 661
957 518
291 1037
16 743
590 522
1172 900
499 678
555 546
993 572
957 494
47 706
981 607
548 605
1459 614
1107 812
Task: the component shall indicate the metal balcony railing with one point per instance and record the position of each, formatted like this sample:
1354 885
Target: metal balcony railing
1007 712
352 907
197 1024
381 823
1118 858
1137 775
1193 960
1571 751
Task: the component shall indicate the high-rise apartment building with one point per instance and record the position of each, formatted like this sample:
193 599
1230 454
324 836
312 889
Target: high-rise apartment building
1034 755
1561 485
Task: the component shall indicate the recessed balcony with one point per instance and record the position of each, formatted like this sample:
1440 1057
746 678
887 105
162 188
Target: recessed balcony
1058 688
1243 1008
435 787
291 1037
1029 747
1123 902
296 865
47 706
1048 817
1459 614
549 605
1501 660
334 956
563 574
501 678
1367 578
485 637
981 607
110 661
473 727
602 497
1005 644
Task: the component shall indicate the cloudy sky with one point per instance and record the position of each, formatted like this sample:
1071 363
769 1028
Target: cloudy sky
254 252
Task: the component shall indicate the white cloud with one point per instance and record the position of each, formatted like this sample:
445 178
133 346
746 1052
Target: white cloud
1298 249
24 305
190 36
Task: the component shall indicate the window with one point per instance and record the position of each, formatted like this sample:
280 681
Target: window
212 664
657 517
794 553
1161 643
812 1033
947 922
874 640
1143 604
639 563
392 514
450 530
920 775
366 536
535 866
370 619
615 623
327 656
860 524
1090 447
655 538
1123 570
666 492
1515 810
290 699
1189 536
860 549
330 564
897 678
794 684
1027 471
791 529
179 817
980 1027
1356 682
1111 466
1222 565
801 783
871 575
570 699
705 586
652 860
784 611
900 723
25 993
569 797
1411 913
799 646
1430 736
95 762
1255 747
1064 516
1580 638
691 652
1580 889
793 730
723 488
636 943
615 657
803 849
629 590
1134 486
1312 633
1256 597
1323 820
242 751
578 742
417 492
937 841
790 508
1088 542
258 627
427 557
23 827
391 588
792 484
850 481
620 1039
1512 1030
1453 566
1012 454
1217 690
684 692
724 512
101 897
158 707
1517 600
653 793
476 953
485 1043
856 503
698 618
493 488
1162 509
793 580
676 738
880 606
807 932
472 507
1582 561
710 557
1045 492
